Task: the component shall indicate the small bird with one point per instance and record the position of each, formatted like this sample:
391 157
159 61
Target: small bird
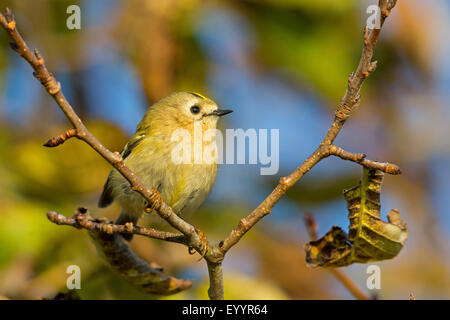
149 154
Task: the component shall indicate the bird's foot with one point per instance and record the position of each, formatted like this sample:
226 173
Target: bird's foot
204 244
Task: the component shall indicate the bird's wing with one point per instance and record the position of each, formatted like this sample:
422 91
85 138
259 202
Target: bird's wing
106 198
134 141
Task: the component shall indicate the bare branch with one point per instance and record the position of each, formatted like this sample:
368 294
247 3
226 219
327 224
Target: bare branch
215 291
56 141
81 220
348 102
361 159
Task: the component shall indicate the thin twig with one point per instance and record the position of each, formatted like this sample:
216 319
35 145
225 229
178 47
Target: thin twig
348 102
361 159
83 221
311 227
56 141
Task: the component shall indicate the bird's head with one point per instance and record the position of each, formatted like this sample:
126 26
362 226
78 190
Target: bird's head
181 110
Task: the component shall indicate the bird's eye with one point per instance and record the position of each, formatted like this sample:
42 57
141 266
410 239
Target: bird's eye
195 109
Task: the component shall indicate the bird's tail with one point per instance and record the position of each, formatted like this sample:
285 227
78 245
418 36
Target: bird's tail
124 218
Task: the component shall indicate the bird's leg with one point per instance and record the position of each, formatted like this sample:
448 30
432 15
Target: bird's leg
205 245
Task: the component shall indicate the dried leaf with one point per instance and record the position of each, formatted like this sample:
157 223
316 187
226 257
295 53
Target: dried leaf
149 278
369 238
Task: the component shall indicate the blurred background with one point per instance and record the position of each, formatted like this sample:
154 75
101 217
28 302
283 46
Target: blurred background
280 64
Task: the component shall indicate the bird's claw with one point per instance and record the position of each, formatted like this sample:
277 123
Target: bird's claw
204 244
204 241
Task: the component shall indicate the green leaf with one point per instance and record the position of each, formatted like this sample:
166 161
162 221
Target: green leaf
369 238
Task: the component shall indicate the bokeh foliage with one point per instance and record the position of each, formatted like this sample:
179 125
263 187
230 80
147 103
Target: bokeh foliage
310 46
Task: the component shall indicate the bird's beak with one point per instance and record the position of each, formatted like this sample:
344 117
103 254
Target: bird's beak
220 112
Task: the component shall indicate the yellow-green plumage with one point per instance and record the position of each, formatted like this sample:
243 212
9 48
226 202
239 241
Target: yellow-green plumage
149 155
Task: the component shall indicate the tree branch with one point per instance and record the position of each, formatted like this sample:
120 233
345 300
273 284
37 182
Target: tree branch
348 102
56 141
81 220
216 290
361 159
